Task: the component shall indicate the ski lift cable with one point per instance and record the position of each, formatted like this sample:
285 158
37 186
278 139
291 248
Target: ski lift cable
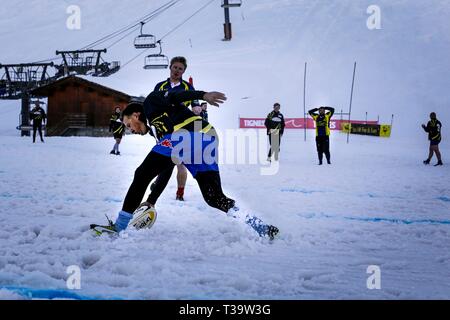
148 17
168 33
187 19
120 39
144 19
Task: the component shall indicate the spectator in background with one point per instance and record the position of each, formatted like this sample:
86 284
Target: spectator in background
117 128
274 124
433 128
322 120
200 110
38 116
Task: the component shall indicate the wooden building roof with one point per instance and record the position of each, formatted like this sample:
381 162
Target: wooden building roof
46 90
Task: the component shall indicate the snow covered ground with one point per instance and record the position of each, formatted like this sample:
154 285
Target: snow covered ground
377 204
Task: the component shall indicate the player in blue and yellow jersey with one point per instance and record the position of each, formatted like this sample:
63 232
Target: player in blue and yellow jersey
322 119
174 83
182 138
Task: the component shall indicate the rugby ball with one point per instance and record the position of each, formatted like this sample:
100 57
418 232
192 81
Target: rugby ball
144 216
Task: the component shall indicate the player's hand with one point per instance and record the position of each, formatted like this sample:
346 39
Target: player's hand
214 98
423 126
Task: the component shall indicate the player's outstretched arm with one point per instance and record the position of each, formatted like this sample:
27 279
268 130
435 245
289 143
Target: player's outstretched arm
214 98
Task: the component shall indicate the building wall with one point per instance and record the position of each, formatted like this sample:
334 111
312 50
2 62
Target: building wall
76 98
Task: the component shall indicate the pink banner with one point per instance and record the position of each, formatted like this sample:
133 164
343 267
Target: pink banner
296 123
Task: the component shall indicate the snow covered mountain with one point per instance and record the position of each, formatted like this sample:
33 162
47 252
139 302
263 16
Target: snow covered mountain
376 205
402 67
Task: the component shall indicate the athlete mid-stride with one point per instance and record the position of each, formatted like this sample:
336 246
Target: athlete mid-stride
171 123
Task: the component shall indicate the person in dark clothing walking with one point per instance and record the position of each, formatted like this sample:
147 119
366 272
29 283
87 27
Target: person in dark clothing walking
118 129
274 124
322 119
433 128
38 116
174 125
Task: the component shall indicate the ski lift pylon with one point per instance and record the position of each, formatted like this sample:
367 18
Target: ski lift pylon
144 41
231 3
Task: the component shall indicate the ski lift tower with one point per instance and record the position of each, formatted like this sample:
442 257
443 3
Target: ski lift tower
226 5
18 80
86 62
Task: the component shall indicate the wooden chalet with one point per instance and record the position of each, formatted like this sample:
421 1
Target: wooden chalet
79 107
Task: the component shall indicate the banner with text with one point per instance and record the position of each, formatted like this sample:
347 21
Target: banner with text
298 123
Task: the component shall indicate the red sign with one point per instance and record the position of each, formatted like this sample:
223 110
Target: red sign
296 123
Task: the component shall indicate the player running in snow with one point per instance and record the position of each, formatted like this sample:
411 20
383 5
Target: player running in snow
38 116
118 129
174 125
174 83
433 128
275 128
322 120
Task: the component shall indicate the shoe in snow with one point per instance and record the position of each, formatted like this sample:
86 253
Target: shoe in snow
426 161
439 163
112 152
272 231
99 230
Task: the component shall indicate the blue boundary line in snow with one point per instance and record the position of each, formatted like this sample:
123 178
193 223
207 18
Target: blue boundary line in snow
50 294
376 219
370 195
444 198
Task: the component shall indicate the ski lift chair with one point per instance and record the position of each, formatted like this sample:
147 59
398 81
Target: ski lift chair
144 41
156 61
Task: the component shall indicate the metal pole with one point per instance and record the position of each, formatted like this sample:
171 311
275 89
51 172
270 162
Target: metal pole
392 121
304 101
351 100
25 113
366 117
227 24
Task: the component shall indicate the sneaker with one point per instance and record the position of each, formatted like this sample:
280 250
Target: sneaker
179 198
320 163
328 161
426 161
272 231
112 152
439 163
99 230
118 153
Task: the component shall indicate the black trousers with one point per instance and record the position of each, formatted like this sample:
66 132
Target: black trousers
154 164
323 146
159 185
37 125
275 147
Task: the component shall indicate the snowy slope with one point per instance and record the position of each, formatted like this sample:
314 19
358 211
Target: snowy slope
368 208
375 205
